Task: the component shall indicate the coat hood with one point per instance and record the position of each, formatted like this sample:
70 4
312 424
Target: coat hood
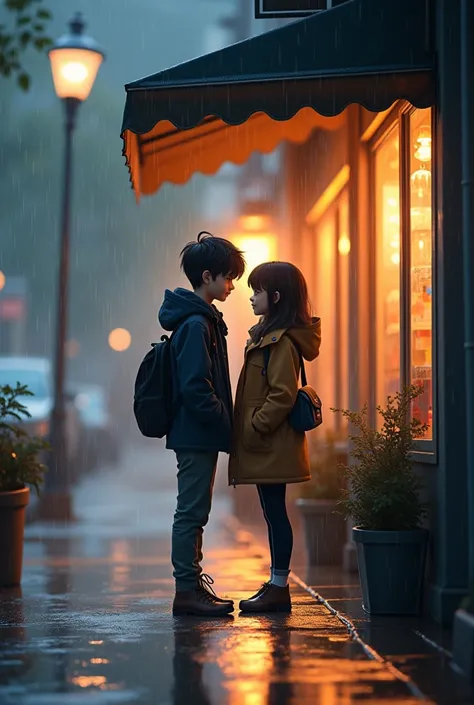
180 304
306 338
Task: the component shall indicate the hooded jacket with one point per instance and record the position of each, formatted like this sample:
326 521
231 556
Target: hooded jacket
265 448
202 396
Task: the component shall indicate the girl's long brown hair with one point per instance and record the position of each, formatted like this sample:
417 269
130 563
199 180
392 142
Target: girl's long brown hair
293 309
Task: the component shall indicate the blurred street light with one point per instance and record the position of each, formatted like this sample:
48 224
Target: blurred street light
75 60
120 339
256 237
2 280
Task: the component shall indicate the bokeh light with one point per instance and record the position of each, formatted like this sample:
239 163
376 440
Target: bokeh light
120 339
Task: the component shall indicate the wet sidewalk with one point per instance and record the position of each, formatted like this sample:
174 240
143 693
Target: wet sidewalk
92 621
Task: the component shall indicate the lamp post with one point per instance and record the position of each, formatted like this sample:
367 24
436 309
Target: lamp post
75 60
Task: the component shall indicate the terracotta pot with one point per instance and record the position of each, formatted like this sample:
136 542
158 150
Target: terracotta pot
324 531
12 526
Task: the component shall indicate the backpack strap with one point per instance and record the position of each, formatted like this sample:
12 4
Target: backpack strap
266 360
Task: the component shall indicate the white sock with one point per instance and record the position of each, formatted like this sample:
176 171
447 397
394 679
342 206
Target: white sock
279 580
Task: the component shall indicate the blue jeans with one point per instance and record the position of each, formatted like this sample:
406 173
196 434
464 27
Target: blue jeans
196 473
280 533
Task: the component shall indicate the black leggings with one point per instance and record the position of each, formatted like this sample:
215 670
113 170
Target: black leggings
280 533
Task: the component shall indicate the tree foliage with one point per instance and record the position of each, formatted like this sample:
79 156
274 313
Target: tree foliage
384 490
25 27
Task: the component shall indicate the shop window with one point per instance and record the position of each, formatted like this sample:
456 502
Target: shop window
402 188
387 231
420 260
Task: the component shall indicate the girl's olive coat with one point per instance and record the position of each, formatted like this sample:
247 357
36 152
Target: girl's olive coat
265 449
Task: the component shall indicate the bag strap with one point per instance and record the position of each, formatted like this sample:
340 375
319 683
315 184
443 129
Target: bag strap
266 360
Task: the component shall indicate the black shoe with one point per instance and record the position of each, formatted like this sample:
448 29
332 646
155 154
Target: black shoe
199 601
270 598
206 583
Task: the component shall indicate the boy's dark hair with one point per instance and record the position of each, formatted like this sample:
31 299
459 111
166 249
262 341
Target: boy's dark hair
214 254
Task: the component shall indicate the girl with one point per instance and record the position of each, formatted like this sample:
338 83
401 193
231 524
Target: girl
267 452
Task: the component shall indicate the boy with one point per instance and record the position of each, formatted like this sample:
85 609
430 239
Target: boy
202 401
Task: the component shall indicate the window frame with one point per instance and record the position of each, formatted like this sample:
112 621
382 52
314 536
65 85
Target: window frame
425 450
333 211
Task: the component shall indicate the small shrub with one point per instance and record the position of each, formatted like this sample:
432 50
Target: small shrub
383 489
19 452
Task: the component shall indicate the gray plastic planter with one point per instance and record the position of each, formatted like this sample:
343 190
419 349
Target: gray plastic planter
391 570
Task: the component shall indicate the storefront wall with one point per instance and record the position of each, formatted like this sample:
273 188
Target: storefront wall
376 223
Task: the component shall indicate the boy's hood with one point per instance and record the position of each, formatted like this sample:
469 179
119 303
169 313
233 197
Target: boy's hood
180 304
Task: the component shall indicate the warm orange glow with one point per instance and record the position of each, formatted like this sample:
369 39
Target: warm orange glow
248 662
423 144
88 681
74 71
216 142
2 280
421 274
344 245
120 339
387 223
256 248
254 223
379 119
99 660
329 195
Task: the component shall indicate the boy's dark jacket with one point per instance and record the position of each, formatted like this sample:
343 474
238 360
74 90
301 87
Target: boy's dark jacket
202 396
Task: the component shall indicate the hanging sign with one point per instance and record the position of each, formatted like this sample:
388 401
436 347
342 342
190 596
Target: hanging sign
265 9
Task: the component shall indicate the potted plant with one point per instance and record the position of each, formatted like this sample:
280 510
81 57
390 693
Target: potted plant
323 526
19 467
383 500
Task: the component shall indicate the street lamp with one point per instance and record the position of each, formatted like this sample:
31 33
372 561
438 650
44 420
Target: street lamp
75 60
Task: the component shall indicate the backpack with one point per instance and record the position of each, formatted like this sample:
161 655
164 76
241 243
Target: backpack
307 412
153 399
152 403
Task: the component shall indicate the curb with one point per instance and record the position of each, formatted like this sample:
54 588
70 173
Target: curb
241 534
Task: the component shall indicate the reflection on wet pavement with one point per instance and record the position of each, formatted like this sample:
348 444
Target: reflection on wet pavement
92 624
105 629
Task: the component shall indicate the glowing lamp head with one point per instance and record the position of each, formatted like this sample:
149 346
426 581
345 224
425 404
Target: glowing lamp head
75 61
423 144
344 245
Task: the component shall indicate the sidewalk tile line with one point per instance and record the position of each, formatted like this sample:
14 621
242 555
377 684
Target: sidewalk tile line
236 528
433 644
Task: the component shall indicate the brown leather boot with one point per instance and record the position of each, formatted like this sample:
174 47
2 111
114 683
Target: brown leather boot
206 582
270 598
201 601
